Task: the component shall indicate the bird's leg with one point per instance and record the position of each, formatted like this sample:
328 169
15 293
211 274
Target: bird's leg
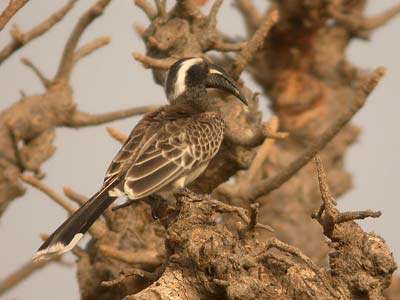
159 206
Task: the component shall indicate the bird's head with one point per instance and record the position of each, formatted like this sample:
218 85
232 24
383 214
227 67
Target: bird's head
188 79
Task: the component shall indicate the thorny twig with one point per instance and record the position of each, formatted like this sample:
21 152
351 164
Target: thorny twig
20 39
10 11
267 185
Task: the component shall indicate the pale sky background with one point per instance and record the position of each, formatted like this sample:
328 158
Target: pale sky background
110 79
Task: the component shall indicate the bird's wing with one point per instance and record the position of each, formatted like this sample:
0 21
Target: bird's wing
176 150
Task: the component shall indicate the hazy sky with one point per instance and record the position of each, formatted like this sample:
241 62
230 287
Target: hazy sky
110 79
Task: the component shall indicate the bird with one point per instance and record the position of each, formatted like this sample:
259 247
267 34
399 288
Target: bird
166 151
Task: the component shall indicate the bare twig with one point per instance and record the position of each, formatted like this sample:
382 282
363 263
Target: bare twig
360 23
149 62
254 44
332 215
74 196
24 272
147 8
267 185
20 39
97 228
32 181
212 17
161 8
188 9
142 257
250 13
10 11
116 134
81 119
226 47
43 79
67 60
90 47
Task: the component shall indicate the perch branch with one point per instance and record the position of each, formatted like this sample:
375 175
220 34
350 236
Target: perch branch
90 47
212 17
116 134
257 40
161 8
10 11
67 60
267 185
128 273
43 79
144 257
19 39
82 119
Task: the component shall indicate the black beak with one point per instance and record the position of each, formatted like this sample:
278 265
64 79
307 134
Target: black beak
219 79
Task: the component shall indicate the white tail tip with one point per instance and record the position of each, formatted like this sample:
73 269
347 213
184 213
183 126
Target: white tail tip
57 249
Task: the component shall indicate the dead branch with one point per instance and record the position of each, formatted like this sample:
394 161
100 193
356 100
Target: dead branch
254 44
67 60
20 39
32 181
149 62
90 47
250 13
144 257
23 273
118 135
147 8
124 274
43 79
188 9
212 16
82 119
10 11
97 229
75 196
267 185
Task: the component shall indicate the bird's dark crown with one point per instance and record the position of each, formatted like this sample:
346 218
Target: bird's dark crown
189 78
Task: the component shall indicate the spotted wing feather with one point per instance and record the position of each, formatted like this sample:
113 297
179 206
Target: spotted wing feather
176 154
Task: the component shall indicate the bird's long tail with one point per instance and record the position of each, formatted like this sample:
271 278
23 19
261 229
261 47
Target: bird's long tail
72 230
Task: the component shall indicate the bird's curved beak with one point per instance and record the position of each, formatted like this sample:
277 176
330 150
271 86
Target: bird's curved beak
219 79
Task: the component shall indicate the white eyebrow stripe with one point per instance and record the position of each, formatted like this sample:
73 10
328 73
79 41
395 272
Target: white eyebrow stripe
180 85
